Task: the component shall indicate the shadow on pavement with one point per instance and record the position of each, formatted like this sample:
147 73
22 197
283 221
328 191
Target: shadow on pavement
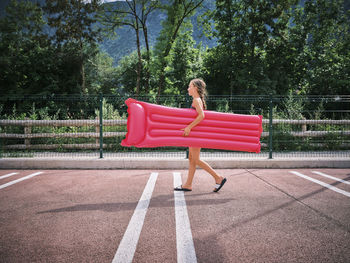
157 201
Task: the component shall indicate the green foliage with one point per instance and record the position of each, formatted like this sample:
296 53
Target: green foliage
177 13
22 43
247 32
186 62
73 20
293 107
267 47
263 47
73 24
101 74
327 37
32 64
126 76
108 112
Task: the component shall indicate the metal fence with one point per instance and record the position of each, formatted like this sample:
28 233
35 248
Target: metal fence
61 126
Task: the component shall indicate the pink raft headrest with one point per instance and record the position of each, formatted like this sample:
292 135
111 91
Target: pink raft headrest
151 125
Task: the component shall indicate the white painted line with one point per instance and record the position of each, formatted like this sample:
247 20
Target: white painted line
331 187
7 175
127 246
184 240
331 177
20 179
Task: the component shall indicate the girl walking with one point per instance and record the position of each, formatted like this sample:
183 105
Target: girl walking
197 90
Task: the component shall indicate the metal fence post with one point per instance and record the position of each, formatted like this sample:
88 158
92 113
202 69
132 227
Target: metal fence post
270 125
189 106
101 125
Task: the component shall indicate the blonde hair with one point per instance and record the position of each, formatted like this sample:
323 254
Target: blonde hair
202 91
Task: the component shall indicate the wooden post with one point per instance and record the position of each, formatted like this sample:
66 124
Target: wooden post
303 127
27 130
101 126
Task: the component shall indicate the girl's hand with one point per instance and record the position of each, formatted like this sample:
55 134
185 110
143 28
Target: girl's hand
186 130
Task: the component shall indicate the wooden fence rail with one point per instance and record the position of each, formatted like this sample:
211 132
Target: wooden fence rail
28 124
61 123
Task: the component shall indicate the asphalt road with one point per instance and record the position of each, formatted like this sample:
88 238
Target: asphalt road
134 215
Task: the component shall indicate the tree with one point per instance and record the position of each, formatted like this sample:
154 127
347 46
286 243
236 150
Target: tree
246 31
327 50
186 61
25 55
100 73
177 12
147 8
281 52
135 15
73 21
125 73
273 47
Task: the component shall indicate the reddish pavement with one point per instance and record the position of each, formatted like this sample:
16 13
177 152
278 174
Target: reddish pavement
259 215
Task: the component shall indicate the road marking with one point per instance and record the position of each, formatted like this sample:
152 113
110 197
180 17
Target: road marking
7 175
20 179
184 240
127 246
331 187
331 177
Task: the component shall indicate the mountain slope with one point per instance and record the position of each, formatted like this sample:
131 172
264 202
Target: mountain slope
125 41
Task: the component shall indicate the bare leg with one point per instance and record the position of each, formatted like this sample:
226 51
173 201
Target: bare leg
192 158
204 165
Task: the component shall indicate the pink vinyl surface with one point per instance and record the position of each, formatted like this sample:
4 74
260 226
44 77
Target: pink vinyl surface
151 125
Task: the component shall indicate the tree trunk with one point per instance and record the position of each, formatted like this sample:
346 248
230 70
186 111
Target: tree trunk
139 63
148 56
83 82
82 70
164 55
177 24
161 80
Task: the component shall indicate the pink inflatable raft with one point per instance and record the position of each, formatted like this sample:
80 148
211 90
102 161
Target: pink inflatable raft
151 125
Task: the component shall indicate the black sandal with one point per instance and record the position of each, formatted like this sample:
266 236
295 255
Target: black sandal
180 188
218 186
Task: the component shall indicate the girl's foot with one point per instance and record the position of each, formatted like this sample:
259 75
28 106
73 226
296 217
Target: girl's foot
181 188
219 186
218 181
189 187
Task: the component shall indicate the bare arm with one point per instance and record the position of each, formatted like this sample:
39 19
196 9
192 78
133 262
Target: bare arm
197 104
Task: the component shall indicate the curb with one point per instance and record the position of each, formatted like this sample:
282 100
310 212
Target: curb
154 163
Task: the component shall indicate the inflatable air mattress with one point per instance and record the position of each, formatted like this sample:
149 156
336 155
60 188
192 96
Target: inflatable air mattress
151 125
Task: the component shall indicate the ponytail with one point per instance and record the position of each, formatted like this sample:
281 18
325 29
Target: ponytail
202 91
